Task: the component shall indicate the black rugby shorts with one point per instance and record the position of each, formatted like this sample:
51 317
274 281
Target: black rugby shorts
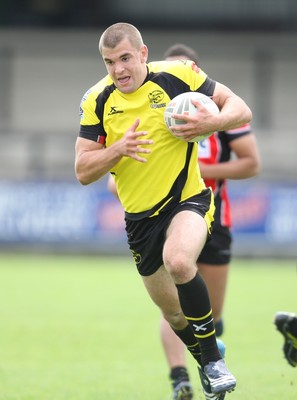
146 236
217 250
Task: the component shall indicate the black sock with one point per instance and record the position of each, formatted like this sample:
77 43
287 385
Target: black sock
178 374
195 304
293 326
187 337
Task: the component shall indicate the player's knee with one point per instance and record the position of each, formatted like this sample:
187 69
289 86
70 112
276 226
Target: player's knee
179 267
174 262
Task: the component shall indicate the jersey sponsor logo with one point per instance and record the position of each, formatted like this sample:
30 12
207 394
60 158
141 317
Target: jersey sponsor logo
155 99
114 110
156 96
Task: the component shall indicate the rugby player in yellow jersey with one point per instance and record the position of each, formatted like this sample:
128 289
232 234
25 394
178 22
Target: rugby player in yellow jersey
168 215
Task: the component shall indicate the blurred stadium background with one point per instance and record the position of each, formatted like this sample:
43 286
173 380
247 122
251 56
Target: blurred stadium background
49 57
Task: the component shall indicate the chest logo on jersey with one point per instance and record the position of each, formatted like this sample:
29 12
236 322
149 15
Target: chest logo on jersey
155 99
115 110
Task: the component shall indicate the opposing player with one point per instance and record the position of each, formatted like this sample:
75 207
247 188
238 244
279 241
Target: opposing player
229 154
168 209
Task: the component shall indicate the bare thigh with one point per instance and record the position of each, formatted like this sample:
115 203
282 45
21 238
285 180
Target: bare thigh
186 236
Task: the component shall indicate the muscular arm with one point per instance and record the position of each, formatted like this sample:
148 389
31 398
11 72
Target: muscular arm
234 111
245 164
93 161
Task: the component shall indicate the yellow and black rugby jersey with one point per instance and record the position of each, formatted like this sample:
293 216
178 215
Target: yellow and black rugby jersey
106 114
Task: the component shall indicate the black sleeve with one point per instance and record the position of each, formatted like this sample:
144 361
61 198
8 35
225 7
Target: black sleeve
93 132
207 87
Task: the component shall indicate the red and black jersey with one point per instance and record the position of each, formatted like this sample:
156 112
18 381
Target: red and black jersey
214 150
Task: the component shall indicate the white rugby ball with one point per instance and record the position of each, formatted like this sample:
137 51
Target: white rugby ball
182 104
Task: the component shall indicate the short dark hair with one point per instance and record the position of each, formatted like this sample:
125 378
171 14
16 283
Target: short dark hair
113 35
180 49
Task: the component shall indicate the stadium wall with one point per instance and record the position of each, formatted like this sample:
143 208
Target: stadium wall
43 75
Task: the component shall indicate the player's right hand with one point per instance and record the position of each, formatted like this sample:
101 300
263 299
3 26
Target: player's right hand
132 146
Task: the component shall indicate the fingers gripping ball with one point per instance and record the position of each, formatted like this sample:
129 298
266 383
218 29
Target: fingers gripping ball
182 104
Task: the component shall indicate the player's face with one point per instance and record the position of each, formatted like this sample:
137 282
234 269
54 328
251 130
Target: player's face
126 65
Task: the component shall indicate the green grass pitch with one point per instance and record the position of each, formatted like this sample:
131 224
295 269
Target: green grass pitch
83 328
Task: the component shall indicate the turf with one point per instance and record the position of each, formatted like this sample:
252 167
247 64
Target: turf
83 328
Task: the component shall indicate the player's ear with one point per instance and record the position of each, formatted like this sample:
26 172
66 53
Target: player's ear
144 53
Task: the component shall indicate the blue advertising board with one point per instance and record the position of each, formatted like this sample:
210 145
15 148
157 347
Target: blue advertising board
59 212
266 211
89 217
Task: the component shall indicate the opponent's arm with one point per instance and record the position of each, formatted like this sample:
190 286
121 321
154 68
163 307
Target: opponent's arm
111 186
245 165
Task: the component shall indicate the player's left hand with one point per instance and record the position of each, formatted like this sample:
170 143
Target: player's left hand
201 123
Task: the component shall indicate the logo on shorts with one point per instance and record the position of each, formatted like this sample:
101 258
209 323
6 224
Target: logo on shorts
137 257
